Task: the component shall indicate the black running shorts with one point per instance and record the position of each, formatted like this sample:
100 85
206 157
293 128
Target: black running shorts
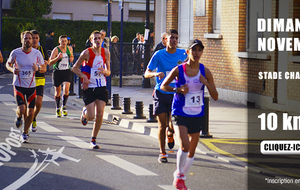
193 124
162 102
91 94
40 90
60 76
24 95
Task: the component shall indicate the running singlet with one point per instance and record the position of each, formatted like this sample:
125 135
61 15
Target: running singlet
24 62
63 63
90 69
192 103
40 77
165 62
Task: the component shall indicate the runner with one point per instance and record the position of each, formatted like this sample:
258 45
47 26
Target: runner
23 62
61 59
164 61
39 78
188 106
95 63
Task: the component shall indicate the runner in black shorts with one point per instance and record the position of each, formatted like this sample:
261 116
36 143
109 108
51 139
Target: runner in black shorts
95 63
23 62
61 59
39 78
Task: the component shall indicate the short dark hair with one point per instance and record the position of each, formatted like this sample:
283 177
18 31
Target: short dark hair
137 33
62 36
172 31
35 32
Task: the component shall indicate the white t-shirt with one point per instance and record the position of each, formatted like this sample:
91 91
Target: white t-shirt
24 62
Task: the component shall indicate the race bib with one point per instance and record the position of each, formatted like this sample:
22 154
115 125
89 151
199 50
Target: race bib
193 99
64 64
167 73
95 74
26 73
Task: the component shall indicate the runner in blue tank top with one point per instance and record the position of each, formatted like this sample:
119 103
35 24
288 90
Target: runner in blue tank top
188 105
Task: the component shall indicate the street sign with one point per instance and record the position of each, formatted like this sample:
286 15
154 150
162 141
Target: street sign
120 4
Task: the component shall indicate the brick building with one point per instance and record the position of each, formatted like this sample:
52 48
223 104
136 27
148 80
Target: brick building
228 30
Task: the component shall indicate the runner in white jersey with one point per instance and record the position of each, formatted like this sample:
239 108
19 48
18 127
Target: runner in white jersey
95 63
23 62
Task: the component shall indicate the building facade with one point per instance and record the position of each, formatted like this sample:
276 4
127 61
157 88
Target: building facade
229 32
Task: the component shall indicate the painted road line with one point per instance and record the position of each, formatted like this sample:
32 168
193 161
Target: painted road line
76 141
47 99
1 87
7 98
9 103
128 166
167 187
47 127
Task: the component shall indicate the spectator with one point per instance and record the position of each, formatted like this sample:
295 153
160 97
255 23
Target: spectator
162 44
50 40
69 43
103 34
114 39
135 41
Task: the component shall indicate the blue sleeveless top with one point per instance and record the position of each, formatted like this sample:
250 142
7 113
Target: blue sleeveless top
192 103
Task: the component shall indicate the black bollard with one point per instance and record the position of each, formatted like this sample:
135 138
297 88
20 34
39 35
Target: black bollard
126 103
205 119
72 93
139 110
115 100
80 91
152 118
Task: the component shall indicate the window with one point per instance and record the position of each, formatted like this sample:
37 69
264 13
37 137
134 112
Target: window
217 16
64 16
256 9
185 22
99 18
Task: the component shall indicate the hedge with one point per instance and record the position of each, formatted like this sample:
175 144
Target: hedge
78 31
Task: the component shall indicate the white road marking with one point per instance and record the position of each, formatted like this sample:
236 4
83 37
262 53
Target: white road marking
7 98
47 98
9 103
47 127
128 166
167 187
76 141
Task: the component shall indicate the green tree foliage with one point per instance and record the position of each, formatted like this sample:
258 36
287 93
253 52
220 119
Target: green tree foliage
31 8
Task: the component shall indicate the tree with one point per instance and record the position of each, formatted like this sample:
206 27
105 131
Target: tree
31 8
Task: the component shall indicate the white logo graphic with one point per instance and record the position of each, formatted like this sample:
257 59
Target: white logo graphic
36 169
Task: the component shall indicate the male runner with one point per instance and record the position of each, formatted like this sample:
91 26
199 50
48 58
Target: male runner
23 62
164 61
61 59
39 78
95 63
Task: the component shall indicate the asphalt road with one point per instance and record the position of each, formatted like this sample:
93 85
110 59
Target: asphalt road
58 156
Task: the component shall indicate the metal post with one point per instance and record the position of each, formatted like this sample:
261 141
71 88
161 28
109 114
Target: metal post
146 81
205 118
121 41
1 26
109 35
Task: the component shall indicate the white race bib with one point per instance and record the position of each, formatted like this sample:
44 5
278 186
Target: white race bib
193 99
26 73
64 63
95 74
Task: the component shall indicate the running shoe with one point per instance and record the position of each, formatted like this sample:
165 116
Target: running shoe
82 118
24 138
64 111
33 126
93 145
58 112
162 158
18 122
171 142
178 182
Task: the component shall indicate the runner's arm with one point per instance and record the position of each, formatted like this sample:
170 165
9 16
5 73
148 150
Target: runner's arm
149 74
72 56
84 56
54 57
165 85
208 80
107 72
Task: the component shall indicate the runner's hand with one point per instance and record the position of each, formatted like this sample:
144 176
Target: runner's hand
203 80
160 75
35 67
16 70
60 55
184 89
85 83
